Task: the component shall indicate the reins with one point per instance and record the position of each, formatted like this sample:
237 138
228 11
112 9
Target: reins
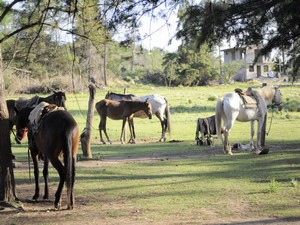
29 168
267 133
27 155
273 105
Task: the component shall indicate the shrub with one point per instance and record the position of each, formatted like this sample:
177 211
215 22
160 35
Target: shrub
273 186
212 98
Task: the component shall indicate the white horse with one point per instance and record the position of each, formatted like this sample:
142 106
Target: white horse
233 107
160 108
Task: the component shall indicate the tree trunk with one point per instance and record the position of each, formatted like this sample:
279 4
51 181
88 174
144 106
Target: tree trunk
105 62
7 180
85 137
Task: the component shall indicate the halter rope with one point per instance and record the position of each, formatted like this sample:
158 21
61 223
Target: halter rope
267 133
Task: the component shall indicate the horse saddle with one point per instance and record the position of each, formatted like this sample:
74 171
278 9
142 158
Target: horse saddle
39 112
248 98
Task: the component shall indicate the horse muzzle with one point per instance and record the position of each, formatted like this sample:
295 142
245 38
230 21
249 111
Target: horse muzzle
280 106
20 136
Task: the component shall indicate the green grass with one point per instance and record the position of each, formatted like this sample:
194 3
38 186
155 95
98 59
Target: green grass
196 188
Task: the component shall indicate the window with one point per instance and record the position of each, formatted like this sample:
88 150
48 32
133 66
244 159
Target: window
251 68
266 68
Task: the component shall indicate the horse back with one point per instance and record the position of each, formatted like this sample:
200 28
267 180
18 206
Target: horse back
111 108
59 129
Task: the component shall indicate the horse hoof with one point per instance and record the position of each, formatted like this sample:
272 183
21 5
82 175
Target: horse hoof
45 197
70 207
56 206
35 197
262 151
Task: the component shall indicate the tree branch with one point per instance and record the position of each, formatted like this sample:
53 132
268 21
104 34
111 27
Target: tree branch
8 8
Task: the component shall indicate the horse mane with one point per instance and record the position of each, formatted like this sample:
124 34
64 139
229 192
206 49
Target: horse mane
24 102
121 95
266 92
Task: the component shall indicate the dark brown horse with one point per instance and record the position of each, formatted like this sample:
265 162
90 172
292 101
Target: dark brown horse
56 135
13 106
121 110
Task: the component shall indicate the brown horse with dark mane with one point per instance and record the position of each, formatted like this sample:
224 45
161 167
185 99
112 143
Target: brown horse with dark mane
57 134
121 110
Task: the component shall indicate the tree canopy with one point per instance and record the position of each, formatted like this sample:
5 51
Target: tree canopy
273 23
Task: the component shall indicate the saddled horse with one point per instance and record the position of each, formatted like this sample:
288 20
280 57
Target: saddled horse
121 110
233 107
13 106
160 108
57 134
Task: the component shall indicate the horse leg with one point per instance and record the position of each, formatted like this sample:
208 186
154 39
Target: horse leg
34 157
132 132
122 132
45 174
226 131
252 135
61 172
163 123
102 126
259 133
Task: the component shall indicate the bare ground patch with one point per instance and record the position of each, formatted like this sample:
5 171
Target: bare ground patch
118 211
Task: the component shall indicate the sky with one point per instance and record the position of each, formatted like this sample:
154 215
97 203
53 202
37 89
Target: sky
158 33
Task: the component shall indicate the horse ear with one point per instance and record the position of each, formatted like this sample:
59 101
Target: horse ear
147 100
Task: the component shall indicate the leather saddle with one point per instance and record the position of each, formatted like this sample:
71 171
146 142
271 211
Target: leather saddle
248 98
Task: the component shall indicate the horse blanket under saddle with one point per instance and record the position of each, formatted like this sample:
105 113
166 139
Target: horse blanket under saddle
39 111
249 98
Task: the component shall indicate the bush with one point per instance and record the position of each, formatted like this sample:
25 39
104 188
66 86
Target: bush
212 98
292 106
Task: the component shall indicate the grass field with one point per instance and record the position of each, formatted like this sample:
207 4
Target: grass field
176 182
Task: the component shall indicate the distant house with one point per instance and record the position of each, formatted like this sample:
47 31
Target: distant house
262 67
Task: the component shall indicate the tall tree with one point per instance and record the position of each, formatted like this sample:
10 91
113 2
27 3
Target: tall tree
7 186
272 23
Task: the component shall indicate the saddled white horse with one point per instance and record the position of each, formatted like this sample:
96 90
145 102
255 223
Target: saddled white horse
160 108
232 107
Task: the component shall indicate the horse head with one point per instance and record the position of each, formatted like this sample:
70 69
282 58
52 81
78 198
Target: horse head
22 124
148 109
60 99
277 100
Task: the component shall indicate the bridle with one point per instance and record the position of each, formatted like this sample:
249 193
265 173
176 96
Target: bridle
274 103
25 130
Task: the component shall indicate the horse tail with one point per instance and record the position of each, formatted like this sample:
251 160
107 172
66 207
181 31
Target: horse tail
168 116
70 161
219 112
